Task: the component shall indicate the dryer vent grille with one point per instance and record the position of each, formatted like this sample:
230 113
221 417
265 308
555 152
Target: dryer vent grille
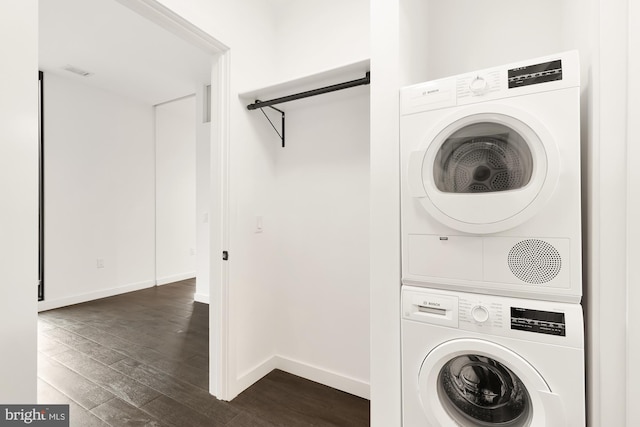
534 261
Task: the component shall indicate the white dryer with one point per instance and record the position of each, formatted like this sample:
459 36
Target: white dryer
476 360
491 181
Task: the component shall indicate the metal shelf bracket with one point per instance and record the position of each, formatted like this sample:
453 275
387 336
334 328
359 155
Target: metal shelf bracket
280 134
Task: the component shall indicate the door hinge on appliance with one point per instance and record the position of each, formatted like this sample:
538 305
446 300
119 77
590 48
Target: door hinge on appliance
225 255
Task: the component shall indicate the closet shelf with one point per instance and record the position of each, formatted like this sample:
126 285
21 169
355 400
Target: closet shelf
327 77
302 88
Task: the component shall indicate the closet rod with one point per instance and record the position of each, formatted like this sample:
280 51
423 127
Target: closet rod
359 82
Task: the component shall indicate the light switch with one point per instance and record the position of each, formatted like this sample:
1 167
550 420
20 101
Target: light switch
258 224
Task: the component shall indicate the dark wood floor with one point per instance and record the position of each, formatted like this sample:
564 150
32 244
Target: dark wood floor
141 359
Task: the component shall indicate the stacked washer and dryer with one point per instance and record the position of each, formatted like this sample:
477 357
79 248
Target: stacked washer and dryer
492 326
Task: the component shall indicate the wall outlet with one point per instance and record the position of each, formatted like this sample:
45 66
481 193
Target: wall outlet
100 263
192 251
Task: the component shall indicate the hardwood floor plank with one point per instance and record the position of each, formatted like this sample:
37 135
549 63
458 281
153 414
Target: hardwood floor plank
81 390
84 345
177 414
302 401
57 318
113 381
199 362
78 416
118 413
116 343
188 394
247 420
50 346
146 355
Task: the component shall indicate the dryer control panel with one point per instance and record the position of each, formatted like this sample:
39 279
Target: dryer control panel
477 84
534 320
555 72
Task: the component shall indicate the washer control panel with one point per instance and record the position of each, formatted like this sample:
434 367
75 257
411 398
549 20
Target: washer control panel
543 321
479 312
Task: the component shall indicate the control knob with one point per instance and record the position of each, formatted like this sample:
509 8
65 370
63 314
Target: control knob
479 86
480 313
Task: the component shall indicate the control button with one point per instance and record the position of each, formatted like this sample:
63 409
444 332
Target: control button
480 314
478 86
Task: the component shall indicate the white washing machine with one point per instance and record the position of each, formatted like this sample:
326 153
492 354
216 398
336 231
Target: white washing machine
491 181
476 360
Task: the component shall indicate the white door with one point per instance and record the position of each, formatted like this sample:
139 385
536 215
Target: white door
474 383
484 169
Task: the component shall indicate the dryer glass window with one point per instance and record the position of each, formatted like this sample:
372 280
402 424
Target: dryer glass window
480 391
483 157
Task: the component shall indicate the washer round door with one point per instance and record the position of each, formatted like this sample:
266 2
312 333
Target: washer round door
476 383
485 169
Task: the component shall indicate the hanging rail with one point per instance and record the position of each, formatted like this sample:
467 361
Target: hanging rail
262 104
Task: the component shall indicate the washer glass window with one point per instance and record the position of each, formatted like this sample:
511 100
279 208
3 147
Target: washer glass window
483 157
477 390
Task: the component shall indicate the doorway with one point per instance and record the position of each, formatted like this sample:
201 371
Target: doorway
162 17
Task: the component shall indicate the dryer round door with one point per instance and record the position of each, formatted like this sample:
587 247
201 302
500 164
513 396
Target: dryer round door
477 383
485 169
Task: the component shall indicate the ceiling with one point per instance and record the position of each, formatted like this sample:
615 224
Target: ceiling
125 52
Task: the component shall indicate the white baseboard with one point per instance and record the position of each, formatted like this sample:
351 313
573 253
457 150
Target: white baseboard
324 376
203 298
304 370
90 296
175 278
247 379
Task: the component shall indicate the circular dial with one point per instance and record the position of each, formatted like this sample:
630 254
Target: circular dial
480 313
479 86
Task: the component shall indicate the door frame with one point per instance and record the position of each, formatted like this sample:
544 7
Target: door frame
41 252
633 210
219 191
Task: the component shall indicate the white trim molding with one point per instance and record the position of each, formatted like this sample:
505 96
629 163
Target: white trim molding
313 373
203 298
175 278
633 213
50 304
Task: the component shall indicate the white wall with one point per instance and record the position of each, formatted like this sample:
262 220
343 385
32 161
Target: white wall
466 35
19 217
175 190
316 35
319 230
607 262
99 196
